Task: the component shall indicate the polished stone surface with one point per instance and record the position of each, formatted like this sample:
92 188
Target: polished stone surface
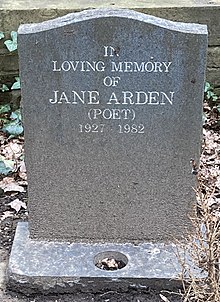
109 139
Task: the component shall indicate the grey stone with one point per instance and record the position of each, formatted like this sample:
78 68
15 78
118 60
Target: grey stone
102 184
49 267
14 13
112 114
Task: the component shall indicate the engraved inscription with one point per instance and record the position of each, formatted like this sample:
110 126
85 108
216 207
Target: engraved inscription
125 98
131 128
91 128
112 100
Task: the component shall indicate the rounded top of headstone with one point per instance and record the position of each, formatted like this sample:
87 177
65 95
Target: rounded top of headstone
112 13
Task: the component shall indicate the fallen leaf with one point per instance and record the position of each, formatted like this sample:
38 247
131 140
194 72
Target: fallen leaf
218 183
22 182
13 150
111 263
164 298
22 171
15 147
22 175
6 165
6 214
22 167
13 187
17 204
6 181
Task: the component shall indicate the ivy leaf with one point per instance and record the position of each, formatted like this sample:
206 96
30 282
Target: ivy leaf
14 36
210 94
4 88
218 108
5 108
13 128
1 35
16 115
12 44
6 166
17 84
4 169
207 86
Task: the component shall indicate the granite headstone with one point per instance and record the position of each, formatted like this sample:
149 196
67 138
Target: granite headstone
112 114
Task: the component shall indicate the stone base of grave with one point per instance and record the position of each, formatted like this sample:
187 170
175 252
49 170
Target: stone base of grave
59 267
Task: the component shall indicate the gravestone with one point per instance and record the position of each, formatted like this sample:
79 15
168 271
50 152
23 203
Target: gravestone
112 103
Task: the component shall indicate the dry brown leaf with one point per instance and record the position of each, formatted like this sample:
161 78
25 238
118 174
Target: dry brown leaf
22 182
164 298
12 150
218 183
6 214
8 184
17 204
23 175
13 187
6 181
111 263
22 171
22 167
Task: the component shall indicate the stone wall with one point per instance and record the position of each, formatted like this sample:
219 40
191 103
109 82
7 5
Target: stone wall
13 13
